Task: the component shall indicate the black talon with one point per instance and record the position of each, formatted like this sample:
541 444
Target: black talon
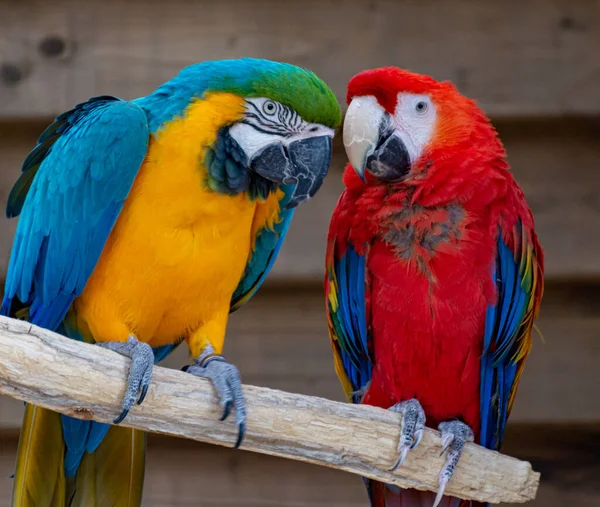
121 417
143 394
241 434
227 410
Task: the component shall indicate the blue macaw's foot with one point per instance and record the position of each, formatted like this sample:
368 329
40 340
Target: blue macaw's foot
140 371
411 430
454 436
225 378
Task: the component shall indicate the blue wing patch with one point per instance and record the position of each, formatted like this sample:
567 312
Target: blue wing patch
346 309
507 338
267 247
73 186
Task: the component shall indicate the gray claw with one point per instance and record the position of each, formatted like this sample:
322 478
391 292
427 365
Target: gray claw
411 430
225 378
140 371
454 436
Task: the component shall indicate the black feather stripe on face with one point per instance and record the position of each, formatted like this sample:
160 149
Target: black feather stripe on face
284 121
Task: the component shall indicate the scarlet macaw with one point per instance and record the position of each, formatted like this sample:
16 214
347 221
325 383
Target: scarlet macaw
434 273
145 223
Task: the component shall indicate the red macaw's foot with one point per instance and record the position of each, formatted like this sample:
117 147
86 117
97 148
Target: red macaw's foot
454 436
225 378
140 371
411 429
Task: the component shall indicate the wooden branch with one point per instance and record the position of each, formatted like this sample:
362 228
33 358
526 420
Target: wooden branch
85 381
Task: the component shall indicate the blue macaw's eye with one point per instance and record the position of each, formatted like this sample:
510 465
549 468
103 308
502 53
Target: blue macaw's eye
421 107
269 107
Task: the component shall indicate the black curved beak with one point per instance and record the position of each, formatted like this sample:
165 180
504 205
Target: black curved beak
390 160
304 163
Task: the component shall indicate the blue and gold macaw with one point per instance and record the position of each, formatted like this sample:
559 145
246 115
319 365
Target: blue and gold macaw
146 223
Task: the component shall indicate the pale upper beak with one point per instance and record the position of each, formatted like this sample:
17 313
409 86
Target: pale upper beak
362 126
373 143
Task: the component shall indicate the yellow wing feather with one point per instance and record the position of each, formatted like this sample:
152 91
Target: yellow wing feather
112 476
531 267
39 474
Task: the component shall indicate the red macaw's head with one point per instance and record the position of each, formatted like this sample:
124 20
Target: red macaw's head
399 123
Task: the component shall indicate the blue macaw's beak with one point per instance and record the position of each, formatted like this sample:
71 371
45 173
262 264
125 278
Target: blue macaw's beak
303 163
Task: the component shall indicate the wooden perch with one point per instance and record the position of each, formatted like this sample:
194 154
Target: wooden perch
85 381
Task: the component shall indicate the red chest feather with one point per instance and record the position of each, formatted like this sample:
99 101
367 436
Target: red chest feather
430 283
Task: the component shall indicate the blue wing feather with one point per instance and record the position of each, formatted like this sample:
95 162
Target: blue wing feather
345 308
267 247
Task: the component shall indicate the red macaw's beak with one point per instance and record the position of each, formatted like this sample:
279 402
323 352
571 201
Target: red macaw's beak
372 142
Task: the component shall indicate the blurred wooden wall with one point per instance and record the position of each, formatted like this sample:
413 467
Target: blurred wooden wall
533 65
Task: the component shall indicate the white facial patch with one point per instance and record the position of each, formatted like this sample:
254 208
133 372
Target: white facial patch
267 121
415 119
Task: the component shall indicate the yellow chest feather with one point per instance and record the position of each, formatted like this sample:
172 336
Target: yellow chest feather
178 250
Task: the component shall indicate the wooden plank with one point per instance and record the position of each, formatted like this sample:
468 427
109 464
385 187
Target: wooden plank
519 58
279 340
556 162
181 473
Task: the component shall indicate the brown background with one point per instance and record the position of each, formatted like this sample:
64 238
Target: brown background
534 66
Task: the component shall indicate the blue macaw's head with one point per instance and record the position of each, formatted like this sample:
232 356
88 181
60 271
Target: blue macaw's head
282 147
285 134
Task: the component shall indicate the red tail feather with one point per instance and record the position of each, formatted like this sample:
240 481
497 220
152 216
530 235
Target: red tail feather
383 495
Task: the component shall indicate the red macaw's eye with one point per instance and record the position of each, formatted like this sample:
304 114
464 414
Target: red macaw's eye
421 107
